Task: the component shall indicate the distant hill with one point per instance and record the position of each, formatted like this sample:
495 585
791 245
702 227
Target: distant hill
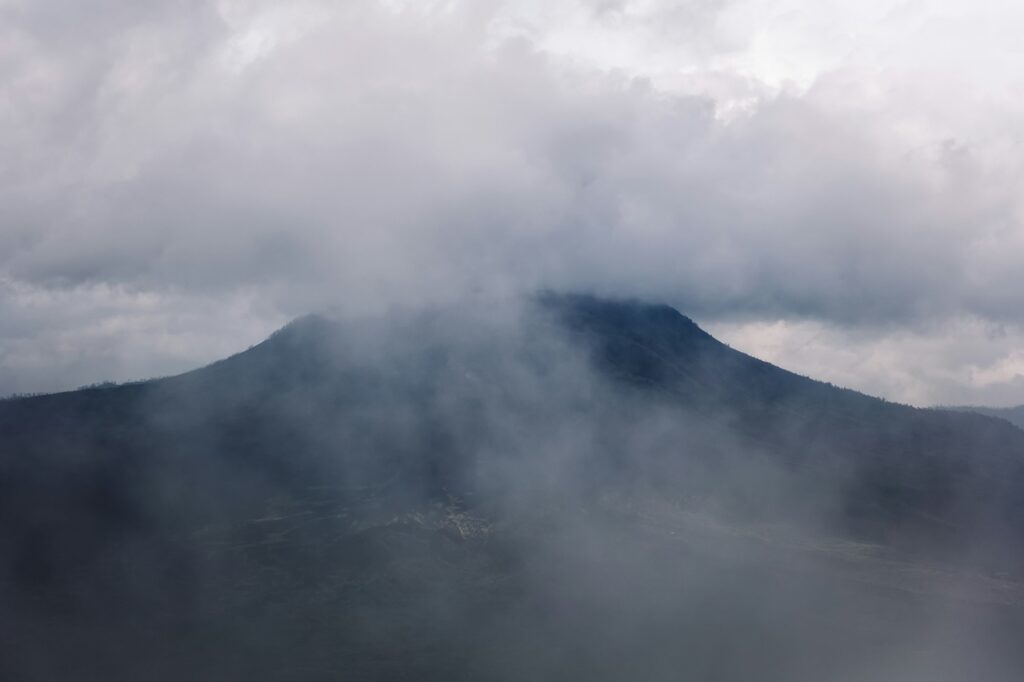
514 492
1014 415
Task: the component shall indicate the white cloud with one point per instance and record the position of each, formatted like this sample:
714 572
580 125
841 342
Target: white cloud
964 360
55 339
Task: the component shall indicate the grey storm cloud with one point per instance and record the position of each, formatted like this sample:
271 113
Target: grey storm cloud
304 155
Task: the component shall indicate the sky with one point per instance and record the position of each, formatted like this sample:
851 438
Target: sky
832 186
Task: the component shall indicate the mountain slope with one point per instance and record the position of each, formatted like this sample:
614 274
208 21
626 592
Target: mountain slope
907 462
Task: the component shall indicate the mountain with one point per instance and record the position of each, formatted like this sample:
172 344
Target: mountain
1014 415
563 487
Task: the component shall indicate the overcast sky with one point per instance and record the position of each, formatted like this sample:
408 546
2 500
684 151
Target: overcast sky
832 185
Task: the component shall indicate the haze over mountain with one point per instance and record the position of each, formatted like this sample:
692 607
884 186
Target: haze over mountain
565 487
772 211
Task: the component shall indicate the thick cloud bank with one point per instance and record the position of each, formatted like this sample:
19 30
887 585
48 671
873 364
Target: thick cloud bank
183 176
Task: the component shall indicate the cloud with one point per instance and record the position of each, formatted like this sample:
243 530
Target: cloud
54 339
366 154
958 360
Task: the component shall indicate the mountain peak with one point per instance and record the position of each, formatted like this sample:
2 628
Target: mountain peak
582 310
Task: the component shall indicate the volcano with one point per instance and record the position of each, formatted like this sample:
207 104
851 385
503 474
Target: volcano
565 487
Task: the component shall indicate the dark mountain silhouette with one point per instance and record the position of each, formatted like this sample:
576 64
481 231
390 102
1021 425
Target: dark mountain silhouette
575 487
